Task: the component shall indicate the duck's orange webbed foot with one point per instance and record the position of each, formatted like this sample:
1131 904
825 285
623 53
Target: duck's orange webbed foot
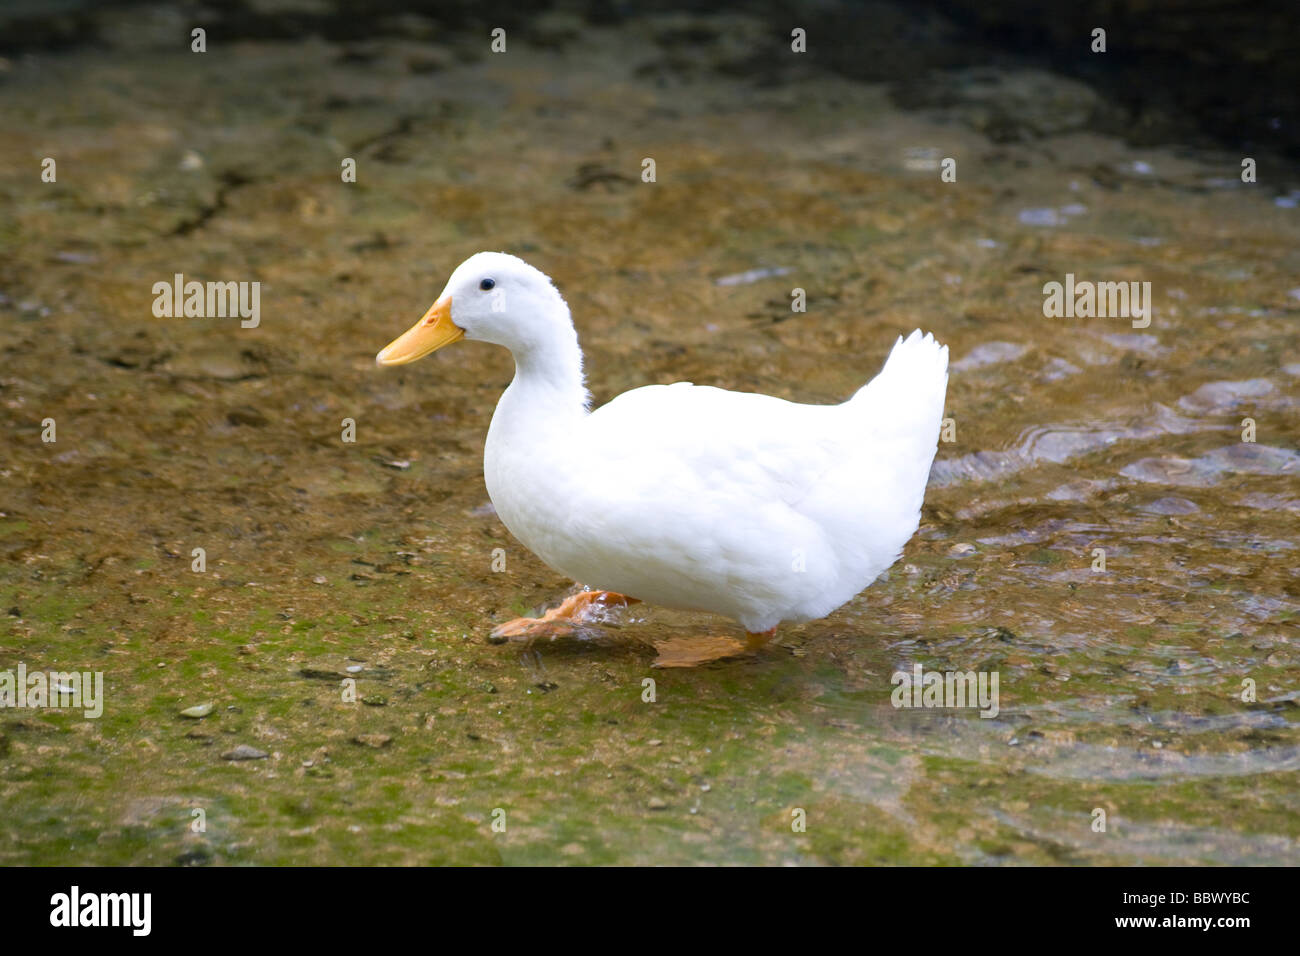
694 651
559 621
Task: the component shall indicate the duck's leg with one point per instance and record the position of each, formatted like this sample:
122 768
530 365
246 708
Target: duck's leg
757 641
559 621
694 651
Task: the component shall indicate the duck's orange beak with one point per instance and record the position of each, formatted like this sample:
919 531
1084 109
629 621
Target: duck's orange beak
431 333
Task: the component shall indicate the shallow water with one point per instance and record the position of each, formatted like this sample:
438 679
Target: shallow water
1120 689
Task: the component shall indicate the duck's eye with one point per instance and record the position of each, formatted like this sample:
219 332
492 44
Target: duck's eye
487 284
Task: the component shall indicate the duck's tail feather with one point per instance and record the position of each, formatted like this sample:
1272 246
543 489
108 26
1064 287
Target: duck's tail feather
904 405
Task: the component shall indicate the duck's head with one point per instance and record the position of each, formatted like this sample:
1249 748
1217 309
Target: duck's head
491 297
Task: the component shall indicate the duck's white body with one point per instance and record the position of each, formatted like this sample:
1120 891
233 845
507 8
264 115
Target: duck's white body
698 498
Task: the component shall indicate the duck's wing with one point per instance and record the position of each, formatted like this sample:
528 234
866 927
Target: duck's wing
708 499
704 436
854 472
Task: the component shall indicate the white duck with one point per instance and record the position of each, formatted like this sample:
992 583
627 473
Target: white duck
688 496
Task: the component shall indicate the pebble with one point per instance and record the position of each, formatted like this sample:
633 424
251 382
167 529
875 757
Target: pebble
990 353
246 415
752 275
1171 506
316 673
245 752
197 711
76 258
963 548
1039 216
657 804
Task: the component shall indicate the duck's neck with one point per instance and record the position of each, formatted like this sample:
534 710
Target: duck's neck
528 457
548 394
